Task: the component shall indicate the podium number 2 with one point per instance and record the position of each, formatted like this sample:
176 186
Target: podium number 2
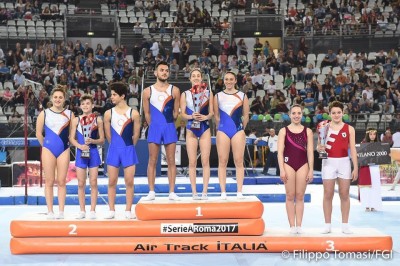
199 211
73 229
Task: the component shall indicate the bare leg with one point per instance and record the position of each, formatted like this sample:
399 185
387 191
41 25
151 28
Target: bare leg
223 148
93 174
329 187
81 175
170 153
191 147
205 149
62 170
344 190
49 170
301 185
238 145
154 149
290 187
129 173
112 185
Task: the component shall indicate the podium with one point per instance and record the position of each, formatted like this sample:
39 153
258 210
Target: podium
185 226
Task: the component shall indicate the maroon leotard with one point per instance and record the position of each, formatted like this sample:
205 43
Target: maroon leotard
295 152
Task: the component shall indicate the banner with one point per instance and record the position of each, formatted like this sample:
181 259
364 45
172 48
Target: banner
33 175
373 153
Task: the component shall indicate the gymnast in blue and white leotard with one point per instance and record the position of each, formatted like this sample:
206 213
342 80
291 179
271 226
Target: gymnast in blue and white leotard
55 122
230 108
198 109
121 150
162 127
204 110
56 130
94 159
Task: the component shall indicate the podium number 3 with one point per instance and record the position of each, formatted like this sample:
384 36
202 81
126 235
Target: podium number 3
73 229
199 211
331 245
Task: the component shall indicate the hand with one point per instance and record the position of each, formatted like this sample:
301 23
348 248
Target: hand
321 148
255 141
283 176
310 176
203 117
354 175
88 141
196 116
84 147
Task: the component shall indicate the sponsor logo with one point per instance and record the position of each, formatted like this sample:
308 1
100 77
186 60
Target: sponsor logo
199 228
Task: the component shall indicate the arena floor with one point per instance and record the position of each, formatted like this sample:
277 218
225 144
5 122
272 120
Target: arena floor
274 215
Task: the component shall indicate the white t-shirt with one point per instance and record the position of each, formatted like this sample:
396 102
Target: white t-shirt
272 143
175 46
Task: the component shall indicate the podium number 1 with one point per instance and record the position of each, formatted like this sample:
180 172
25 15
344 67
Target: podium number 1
199 211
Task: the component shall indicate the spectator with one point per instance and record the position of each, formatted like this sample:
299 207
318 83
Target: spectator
18 79
174 69
258 47
329 60
357 64
242 49
185 50
269 8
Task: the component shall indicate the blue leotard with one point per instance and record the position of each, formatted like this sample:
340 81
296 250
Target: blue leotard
121 150
56 130
162 128
94 159
230 112
204 125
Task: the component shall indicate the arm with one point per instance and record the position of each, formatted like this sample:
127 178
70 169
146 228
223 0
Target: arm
39 128
210 106
183 107
100 127
216 112
146 105
136 126
353 153
246 111
72 135
107 125
177 96
281 147
310 155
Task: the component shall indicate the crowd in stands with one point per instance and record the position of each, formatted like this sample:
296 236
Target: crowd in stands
33 10
273 79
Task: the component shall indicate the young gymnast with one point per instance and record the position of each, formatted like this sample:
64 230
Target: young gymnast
77 139
122 129
340 138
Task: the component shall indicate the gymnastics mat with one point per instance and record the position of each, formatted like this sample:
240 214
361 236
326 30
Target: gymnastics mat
273 241
36 225
186 209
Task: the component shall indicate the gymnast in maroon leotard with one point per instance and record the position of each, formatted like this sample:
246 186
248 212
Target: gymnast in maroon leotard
295 152
296 163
